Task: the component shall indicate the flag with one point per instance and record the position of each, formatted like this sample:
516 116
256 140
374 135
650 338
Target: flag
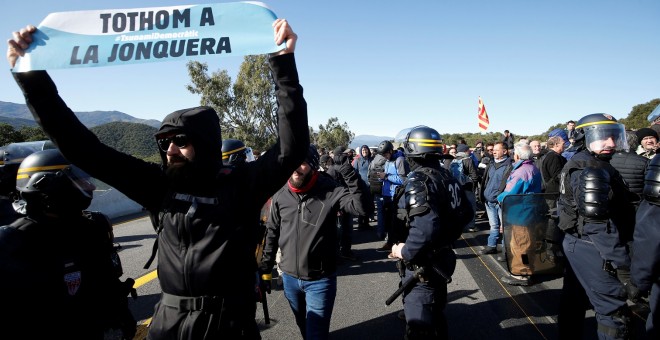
483 116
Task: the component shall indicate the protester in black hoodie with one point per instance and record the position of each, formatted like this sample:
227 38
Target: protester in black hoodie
197 205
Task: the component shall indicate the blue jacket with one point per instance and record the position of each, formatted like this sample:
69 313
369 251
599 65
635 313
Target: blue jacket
396 172
495 177
362 166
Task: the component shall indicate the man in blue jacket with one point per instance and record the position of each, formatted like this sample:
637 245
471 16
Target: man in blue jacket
495 176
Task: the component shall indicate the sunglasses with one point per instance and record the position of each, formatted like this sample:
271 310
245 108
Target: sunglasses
181 141
489 149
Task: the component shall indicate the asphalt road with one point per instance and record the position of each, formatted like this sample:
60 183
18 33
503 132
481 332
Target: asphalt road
480 306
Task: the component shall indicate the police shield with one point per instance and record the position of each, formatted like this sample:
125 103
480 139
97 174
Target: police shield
531 238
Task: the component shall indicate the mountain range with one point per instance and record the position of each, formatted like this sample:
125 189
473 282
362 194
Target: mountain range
18 115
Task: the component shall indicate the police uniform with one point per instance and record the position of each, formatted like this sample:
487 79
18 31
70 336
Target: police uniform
645 268
597 216
428 205
60 271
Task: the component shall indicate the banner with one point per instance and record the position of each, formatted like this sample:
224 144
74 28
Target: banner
483 116
142 35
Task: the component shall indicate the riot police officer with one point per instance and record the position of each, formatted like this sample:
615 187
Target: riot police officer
597 217
60 258
234 152
645 270
430 198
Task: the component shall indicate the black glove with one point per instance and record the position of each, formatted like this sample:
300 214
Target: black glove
623 274
265 283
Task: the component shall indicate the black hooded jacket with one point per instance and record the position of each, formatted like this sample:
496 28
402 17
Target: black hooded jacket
206 246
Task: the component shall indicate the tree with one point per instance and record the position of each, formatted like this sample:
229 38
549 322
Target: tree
248 108
332 134
9 135
636 119
32 134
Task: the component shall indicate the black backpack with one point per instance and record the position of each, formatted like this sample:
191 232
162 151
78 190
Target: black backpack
375 183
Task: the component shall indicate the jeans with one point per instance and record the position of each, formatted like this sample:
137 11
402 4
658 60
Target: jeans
311 303
494 214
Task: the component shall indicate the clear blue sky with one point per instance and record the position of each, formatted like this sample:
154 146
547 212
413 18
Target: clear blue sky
381 66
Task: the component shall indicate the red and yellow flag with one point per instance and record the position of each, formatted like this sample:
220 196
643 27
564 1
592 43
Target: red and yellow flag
483 116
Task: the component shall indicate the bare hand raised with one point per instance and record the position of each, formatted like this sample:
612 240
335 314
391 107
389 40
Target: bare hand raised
19 43
283 32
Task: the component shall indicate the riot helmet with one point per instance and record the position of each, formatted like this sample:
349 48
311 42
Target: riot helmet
47 181
601 132
234 152
384 146
420 141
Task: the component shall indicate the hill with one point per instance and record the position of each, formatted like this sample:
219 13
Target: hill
368 140
18 115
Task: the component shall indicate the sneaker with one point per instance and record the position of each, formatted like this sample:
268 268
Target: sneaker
391 256
488 250
516 280
386 247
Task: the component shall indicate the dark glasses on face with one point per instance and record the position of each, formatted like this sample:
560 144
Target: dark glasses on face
181 141
489 149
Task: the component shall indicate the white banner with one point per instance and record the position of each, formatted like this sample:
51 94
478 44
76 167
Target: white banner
142 35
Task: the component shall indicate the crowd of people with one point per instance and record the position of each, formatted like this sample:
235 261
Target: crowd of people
597 181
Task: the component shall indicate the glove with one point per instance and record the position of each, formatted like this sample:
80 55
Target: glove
265 284
633 293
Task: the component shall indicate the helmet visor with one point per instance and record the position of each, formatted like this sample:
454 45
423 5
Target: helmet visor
80 179
606 137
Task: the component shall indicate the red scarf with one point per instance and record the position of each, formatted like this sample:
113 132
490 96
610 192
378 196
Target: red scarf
308 186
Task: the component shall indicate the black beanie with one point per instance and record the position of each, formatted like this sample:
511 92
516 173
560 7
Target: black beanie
645 132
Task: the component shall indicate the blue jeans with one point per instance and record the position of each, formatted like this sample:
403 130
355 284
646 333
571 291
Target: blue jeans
311 303
494 212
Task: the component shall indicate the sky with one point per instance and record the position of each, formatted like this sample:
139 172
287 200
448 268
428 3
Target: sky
382 66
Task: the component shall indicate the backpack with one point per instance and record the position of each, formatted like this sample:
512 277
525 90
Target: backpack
375 183
456 169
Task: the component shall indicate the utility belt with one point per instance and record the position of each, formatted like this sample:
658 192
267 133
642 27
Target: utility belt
193 303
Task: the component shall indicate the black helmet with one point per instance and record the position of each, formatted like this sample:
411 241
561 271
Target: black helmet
420 140
597 128
313 157
384 146
46 180
234 152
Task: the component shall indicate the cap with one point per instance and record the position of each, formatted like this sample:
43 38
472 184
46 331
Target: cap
462 148
340 149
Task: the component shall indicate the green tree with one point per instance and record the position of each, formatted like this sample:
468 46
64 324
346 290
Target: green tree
636 119
333 134
32 134
248 107
9 135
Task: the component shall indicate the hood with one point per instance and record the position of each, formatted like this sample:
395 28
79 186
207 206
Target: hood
202 126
